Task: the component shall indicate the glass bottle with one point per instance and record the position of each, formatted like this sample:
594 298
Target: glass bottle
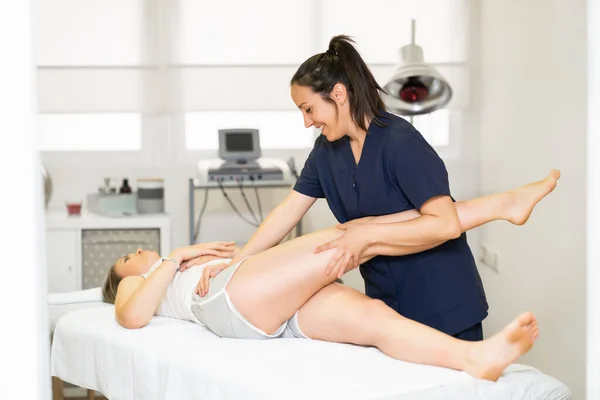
125 188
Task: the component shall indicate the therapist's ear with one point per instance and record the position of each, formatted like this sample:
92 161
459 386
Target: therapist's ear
339 94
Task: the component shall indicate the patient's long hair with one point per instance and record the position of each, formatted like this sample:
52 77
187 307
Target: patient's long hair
111 283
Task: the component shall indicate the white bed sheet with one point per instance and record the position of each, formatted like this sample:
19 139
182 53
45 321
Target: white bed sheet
57 311
172 359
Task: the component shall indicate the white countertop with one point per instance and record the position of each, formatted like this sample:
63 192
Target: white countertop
59 219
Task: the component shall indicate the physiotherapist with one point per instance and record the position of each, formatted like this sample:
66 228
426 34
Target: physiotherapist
367 163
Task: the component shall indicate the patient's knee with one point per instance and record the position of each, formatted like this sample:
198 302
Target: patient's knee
373 317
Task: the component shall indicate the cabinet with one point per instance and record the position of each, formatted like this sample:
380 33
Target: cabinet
62 261
102 247
80 250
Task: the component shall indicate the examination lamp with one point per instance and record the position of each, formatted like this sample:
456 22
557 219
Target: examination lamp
416 87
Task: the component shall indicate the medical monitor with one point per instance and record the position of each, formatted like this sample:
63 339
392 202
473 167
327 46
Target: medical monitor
239 146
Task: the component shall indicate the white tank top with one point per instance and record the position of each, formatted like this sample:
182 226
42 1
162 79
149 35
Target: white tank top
178 297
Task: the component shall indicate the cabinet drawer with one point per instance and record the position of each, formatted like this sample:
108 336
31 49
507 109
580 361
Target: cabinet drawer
102 247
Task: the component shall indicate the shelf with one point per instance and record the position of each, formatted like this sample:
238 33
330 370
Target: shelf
59 219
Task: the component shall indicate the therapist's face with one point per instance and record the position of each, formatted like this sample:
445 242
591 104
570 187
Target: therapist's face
330 118
137 263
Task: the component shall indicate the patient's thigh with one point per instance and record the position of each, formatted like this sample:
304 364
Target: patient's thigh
341 314
268 288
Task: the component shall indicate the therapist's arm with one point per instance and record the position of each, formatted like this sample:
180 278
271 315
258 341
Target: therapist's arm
277 224
437 224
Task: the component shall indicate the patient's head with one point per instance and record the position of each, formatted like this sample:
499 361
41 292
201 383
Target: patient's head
137 263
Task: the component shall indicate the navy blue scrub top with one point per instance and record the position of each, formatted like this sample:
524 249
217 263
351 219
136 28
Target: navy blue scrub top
398 171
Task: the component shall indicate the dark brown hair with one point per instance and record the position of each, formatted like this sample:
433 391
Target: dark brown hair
341 63
111 283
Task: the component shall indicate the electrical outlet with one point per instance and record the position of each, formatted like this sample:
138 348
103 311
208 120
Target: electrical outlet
482 253
489 258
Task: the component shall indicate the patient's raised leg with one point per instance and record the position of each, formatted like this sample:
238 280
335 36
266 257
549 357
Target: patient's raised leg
513 205
340 314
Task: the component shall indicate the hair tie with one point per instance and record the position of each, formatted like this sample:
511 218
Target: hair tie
331 51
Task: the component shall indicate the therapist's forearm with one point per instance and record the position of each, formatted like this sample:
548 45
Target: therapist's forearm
273 229
409 237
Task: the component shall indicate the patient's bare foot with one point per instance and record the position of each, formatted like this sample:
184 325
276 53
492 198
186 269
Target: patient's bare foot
520 201
489 358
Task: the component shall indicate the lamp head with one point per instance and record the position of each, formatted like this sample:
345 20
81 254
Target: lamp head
416 87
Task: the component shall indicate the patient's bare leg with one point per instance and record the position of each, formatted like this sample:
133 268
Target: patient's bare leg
514 205
340 314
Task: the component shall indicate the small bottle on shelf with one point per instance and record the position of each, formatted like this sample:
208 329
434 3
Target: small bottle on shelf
125 188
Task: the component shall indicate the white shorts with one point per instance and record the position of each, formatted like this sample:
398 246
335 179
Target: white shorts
219 314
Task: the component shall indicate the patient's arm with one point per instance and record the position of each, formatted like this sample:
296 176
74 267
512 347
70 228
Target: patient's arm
389 218
200 261
138 298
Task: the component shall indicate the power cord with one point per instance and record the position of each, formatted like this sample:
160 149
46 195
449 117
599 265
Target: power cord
291 162
257 199
200 214
233 205
292 165
241 186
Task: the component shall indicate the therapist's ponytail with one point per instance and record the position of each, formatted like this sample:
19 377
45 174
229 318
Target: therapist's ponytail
341 63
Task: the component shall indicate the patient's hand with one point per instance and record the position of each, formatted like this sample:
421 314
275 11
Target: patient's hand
209 272
198 261
218 249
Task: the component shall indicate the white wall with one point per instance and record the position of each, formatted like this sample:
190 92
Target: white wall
533 118
593 217
24 348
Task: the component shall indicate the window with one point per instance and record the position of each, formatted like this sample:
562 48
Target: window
434 127
93 79
237 70
90 132
278 129
90 32
124 70
238 32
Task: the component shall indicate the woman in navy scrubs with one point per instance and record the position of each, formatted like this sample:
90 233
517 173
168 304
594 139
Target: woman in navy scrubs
369 163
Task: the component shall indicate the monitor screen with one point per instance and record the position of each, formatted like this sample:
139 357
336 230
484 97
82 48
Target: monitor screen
239 142
239 145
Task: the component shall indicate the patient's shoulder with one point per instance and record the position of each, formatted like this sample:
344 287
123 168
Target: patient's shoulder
128 286
130 281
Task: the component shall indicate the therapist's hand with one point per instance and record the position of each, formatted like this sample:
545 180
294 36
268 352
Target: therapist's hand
350 247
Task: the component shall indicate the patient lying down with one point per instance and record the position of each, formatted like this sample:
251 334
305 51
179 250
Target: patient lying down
285 292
